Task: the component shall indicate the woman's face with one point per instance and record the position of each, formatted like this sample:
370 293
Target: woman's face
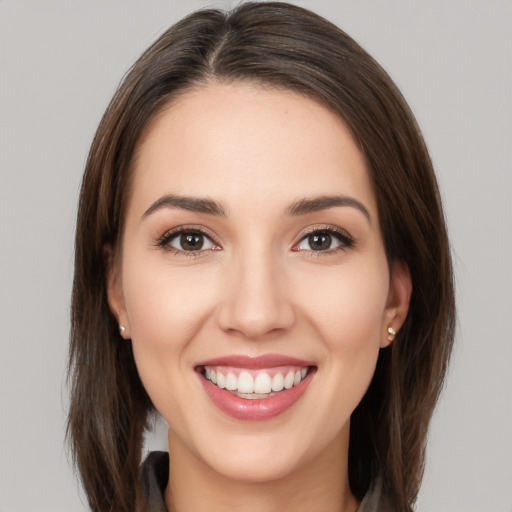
252 257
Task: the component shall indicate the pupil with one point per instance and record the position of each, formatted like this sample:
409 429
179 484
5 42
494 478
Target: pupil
320 241
191 241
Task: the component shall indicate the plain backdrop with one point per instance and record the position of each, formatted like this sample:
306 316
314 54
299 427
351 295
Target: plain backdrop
60 62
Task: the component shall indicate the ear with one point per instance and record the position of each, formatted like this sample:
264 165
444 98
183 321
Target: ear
115 295
397 306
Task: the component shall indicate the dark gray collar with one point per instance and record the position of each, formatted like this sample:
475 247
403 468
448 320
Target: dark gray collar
154 477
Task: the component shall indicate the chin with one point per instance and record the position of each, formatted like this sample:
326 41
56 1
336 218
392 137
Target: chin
256 465
262 455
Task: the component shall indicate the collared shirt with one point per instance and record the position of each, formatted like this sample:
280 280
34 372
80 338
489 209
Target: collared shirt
155 473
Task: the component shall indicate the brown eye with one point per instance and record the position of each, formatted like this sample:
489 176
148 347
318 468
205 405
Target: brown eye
319 241
325 240
191 241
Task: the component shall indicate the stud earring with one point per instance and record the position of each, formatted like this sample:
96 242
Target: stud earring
122 328
391 334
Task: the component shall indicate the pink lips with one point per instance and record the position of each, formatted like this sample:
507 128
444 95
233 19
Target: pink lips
255 409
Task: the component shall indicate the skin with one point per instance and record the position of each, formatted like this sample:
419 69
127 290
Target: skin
258 288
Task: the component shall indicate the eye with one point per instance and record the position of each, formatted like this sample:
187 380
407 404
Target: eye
325 240
187 240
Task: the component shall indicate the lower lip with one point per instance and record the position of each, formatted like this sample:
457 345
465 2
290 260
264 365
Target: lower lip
255 409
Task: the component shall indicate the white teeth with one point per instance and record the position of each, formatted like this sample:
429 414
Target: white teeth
277 382
254 396
288 380
231 382
262 384
246 383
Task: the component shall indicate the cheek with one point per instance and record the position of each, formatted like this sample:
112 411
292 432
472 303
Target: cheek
163 303
166 309
347 305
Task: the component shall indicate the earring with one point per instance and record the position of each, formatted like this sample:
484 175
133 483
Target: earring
122 328
391 334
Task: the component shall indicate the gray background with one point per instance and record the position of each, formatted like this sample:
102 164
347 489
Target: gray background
60 62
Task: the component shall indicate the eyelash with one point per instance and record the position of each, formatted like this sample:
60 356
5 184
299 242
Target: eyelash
346 241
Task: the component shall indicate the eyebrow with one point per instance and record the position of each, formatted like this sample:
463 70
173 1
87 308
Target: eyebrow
315 204
211 207
195 204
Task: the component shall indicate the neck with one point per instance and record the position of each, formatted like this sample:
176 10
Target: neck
319 484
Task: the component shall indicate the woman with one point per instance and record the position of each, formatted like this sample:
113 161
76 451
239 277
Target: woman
261 256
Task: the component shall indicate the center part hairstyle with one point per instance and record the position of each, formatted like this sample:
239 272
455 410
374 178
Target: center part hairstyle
280 46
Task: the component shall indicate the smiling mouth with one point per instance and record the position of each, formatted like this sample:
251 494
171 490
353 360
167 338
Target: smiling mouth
254 384
255 388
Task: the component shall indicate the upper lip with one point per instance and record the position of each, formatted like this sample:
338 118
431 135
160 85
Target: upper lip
255 362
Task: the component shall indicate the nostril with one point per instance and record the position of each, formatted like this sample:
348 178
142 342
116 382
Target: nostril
255 323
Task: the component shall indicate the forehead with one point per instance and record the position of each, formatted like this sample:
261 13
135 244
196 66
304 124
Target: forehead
244 144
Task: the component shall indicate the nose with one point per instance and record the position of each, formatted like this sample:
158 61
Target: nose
256 300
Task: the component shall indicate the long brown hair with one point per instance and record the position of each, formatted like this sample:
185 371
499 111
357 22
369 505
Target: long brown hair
287 47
